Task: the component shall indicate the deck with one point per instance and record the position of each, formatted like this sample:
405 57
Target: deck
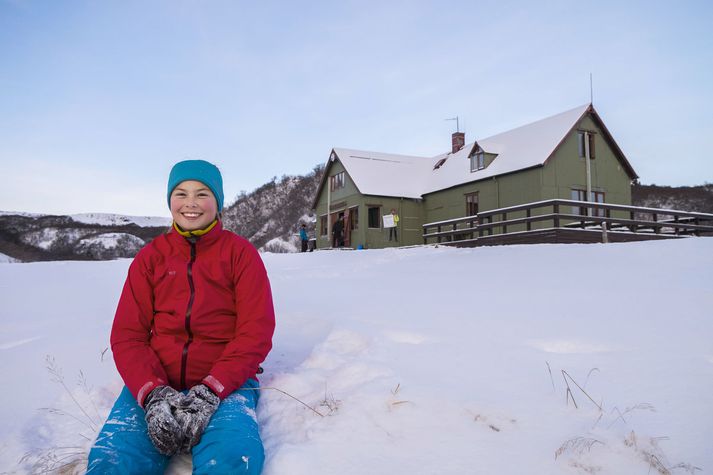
567 221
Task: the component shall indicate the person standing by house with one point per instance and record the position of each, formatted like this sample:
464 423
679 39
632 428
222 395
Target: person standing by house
304 239
393 230
194 322
338 232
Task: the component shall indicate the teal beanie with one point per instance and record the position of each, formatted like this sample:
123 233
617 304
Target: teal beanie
198 170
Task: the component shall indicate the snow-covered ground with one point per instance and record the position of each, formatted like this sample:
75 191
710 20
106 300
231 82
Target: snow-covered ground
421 361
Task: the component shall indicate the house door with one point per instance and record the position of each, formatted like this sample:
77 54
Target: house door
347 229
333 218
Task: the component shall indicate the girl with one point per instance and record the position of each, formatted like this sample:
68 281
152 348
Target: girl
194 322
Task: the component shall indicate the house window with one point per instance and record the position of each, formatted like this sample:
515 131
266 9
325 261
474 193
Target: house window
581 195
374 217
477 161
471 204
323 226
336 181
583 139
598 197
354 217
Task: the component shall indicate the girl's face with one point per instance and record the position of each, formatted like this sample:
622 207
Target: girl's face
193 205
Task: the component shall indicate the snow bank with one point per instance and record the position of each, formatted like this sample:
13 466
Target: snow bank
5 259
281 246
422 360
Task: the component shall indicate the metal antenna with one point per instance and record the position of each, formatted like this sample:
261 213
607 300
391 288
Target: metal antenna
591 90
457 123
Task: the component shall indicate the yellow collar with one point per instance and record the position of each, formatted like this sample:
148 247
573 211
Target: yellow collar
197 232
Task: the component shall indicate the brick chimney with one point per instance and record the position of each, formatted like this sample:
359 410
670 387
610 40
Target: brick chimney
457 141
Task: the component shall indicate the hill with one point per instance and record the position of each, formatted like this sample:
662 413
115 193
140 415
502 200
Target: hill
683 198
30 237
270 216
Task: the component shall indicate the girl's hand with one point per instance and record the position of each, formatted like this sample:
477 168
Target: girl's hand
194 413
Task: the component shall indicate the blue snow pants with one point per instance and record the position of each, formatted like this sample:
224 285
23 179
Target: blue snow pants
231 443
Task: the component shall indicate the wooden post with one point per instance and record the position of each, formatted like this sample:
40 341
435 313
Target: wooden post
675 220
529 215
605 237
439 233
657 229
556 212
505 227
632 227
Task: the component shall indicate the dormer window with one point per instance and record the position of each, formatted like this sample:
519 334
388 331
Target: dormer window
439 163
477 160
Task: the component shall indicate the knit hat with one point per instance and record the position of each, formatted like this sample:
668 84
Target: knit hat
198 170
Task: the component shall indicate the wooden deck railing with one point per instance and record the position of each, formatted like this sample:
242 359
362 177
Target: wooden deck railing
570 215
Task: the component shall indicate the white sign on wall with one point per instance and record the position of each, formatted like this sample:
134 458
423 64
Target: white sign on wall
389 221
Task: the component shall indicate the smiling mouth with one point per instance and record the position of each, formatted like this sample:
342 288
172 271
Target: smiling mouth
191 215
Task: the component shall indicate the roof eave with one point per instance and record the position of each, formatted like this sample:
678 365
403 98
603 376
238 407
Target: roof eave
333 157
630 169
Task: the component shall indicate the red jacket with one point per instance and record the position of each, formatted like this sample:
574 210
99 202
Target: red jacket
193 312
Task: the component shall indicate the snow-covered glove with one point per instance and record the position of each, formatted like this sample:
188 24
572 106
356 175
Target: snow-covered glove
194 413
164 430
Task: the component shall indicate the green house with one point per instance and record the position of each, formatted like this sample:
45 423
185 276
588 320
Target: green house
563 156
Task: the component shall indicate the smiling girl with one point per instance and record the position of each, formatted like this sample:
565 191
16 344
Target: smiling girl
193 324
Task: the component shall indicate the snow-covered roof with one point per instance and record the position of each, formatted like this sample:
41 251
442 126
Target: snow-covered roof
517 149
406 176
374 172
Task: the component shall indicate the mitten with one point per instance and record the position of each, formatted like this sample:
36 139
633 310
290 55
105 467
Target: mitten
164 431
194 413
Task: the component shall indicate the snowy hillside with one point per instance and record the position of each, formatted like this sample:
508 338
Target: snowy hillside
688 198
106 219
270 216
420 361
28 238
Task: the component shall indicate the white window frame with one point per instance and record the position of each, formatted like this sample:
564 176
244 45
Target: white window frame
477 161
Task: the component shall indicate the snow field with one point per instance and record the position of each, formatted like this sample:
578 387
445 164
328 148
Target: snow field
423 360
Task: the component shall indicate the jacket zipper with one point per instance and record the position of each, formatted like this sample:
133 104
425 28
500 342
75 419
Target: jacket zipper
187 324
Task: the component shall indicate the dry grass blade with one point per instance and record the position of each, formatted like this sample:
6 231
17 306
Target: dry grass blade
286 394
552 380
577 445
57 377
565 373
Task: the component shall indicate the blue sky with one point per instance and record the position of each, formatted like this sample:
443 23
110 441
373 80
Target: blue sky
99 98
